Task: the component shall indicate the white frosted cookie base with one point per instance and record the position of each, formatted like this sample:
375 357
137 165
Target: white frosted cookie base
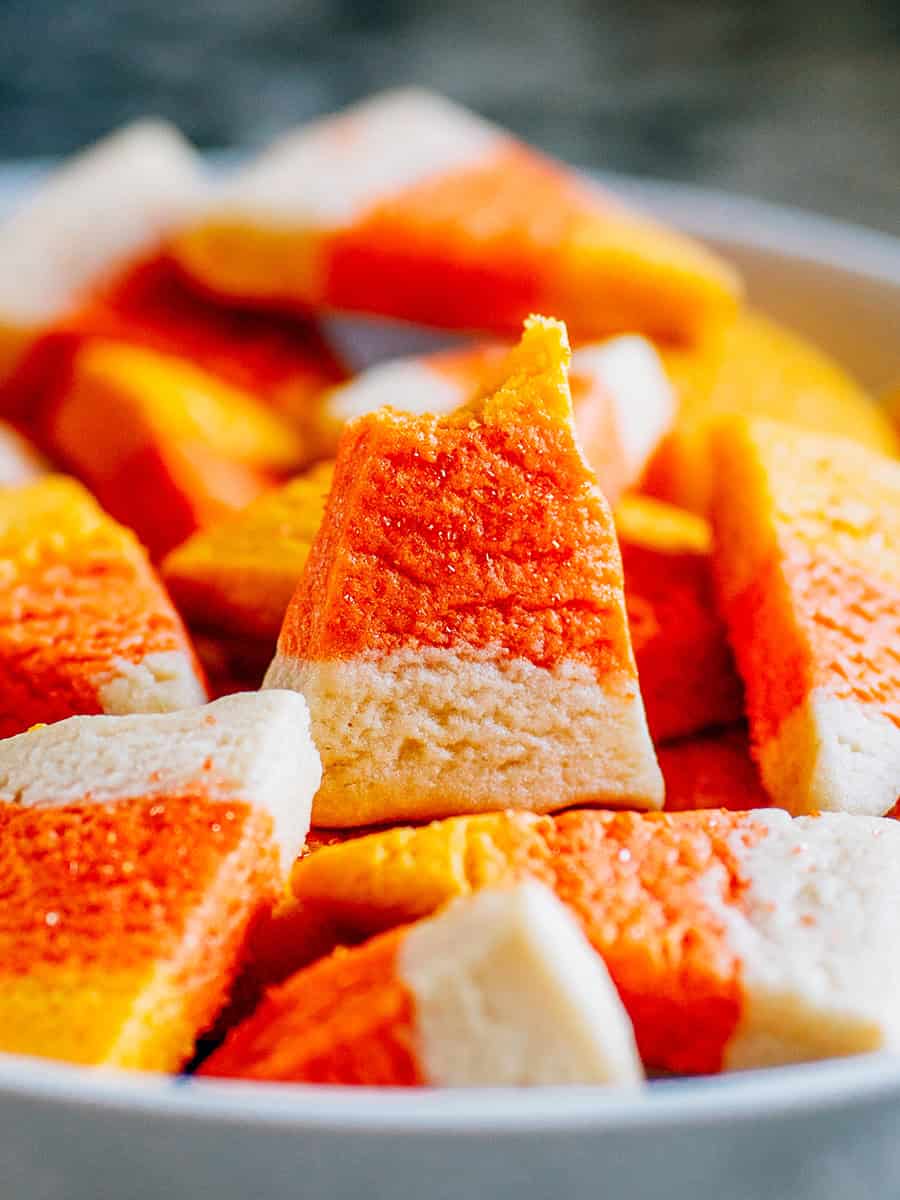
818 937
19 461
833 756
101 209
164 681
253 746
508 992
329 173
630 370
424 733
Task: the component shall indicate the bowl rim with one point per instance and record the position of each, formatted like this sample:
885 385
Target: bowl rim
791 233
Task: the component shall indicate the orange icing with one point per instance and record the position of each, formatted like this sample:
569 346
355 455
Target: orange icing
637 884
479 529
685 668
348 1019
715 771
113 885
78 593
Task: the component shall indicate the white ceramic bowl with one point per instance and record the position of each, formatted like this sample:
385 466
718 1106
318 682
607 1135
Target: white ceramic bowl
821 1132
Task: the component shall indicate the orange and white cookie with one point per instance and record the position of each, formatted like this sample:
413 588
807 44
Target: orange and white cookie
408 206
459 630
735 939
136 851
808 563
85 624
111 204
499 989
685 667
621 399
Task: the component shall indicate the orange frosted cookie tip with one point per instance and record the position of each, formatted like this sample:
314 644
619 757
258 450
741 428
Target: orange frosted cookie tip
407 206
137 852
133 424
237 577
716 954
104 208
685 668
459 628
622 401
498 989
807 536
85 624
754 368
713 770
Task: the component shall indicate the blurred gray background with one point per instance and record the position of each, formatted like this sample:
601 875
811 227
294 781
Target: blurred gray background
797 100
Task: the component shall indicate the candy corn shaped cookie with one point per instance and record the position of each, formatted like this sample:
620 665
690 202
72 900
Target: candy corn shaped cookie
407 206
136 851
166 450
281 362
735 939
499 989
111 204
621 399
19 460
459 630
239 575
685 667
754 368
85 625
808 564
713 770
284 362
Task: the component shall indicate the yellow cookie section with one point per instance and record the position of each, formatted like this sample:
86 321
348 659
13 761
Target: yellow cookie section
754 368
383 879
660 526
188 405
238 576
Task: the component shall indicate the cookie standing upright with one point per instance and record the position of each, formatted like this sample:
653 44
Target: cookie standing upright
500 989
735 939
408 206
807 558
85 624
136 851
459 630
